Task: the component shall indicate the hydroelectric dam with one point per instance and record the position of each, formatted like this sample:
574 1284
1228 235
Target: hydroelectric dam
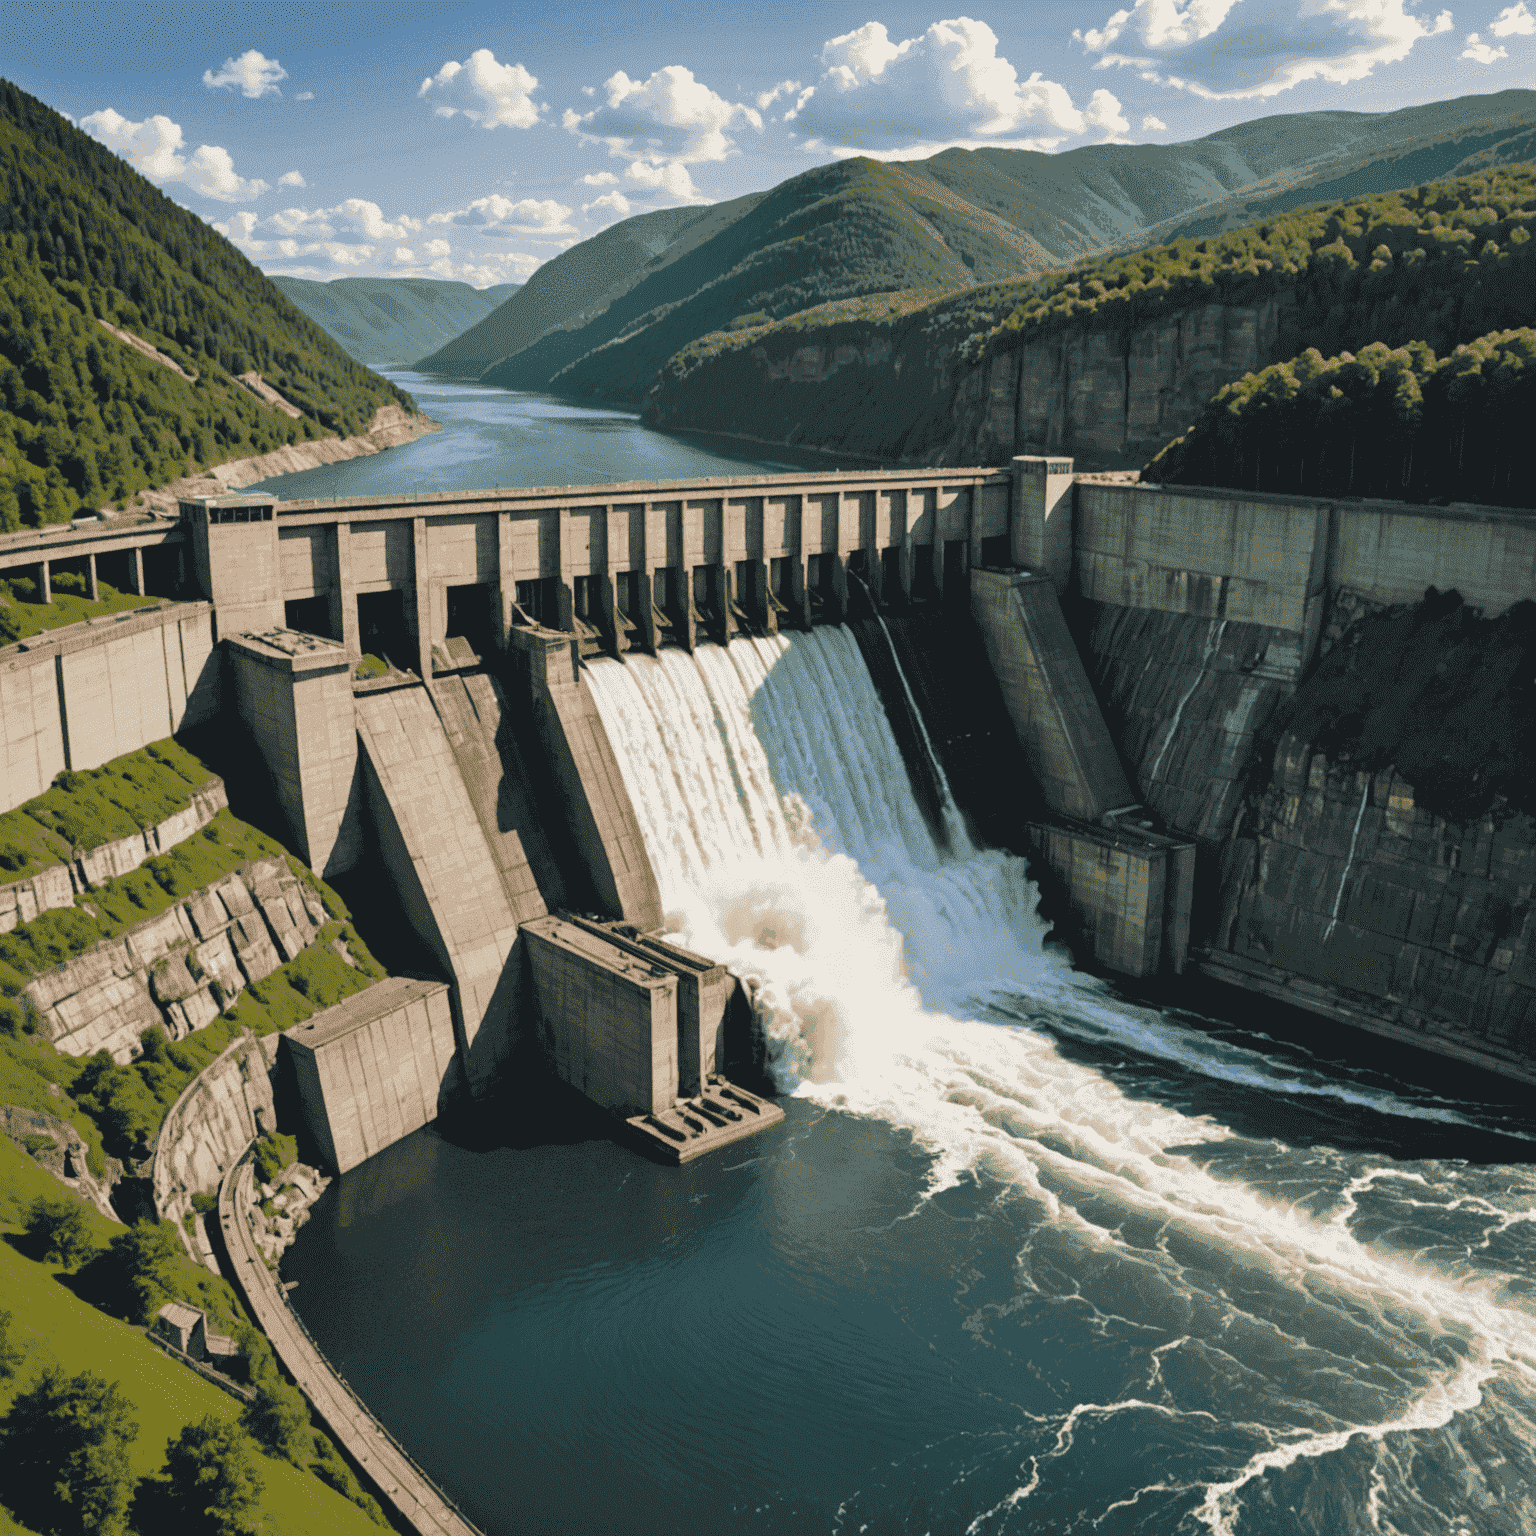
687 792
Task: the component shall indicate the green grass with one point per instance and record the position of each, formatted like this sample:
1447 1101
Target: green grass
219 849
98 806
20 619
54 1327
318 978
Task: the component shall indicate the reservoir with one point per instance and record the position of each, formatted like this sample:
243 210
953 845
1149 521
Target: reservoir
1027 1256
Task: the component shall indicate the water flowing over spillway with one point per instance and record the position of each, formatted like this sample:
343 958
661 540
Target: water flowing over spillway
1288 1336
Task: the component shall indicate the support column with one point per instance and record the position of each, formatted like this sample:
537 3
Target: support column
506 576
92 586
136 566
344 621
44 581
423 598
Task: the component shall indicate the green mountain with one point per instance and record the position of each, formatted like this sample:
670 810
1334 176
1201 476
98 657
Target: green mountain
601 319
959 379
124 324
387 321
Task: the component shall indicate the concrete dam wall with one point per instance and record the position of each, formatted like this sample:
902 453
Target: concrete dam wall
1145 652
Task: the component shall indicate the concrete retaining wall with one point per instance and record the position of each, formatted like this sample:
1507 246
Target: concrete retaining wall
369 1070
78 696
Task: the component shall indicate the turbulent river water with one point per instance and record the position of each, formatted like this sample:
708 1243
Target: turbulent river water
1025 1257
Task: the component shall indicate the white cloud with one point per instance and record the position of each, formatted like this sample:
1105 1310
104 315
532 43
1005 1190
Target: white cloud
500 216
1103 111
600 179
613 200
662 126
947 86
1150 124
352 216
1513 21
403 253
437 249
489 94
784 89
252 72
1223 51
305 96
1482 53
154 148
291 179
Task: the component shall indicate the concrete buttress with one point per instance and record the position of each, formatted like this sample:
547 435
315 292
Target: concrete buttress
443 869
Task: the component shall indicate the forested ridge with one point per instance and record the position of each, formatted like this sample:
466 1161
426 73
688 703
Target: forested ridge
1437 266
85 419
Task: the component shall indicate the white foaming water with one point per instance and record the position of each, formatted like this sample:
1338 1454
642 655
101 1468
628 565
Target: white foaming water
888 976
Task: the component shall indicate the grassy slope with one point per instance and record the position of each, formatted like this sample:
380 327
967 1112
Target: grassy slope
85 419
28 619
852 228
98 805
580 283
1438 281
56 1328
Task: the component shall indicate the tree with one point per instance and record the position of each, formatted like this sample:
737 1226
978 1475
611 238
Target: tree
138 1269
63 1455
58 1229
10 1354
278 1417
213 1483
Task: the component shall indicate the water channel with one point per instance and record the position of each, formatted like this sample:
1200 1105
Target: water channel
1027 1256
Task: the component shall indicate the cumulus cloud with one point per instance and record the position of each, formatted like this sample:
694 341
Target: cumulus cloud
615 201
1103 111
154 149
947 86
404 254
600 179
489 94
662 126
252 73
291 179
1513 21
1482 53
783 90
500 216
352 216
1223 51
1150 124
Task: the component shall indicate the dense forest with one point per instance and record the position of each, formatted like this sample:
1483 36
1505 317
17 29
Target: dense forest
1388 422
86 419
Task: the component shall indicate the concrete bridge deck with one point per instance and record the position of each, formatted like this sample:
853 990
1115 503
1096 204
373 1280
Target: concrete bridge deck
387 1465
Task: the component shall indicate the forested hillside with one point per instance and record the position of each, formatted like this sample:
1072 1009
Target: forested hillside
601 319
390 321
86 417
1386 422
1441 264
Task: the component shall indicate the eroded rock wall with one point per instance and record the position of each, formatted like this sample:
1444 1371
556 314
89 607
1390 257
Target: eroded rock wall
181 968
1108 397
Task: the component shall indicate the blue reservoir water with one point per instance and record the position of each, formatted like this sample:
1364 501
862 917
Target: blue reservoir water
497 437
1025 1257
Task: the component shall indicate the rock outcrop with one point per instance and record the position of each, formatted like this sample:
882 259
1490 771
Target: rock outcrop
1109 397
59 884
66 1158
180 969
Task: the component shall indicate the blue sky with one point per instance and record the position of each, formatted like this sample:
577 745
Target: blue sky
476 141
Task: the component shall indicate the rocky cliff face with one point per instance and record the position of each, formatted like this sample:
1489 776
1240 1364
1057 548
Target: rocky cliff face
1108 397
180 969
1367 838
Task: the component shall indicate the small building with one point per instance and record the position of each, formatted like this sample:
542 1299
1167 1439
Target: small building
183 1328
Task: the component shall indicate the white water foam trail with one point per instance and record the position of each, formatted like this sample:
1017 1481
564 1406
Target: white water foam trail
778 816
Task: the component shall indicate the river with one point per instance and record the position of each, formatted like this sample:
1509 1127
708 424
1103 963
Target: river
1025 1257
